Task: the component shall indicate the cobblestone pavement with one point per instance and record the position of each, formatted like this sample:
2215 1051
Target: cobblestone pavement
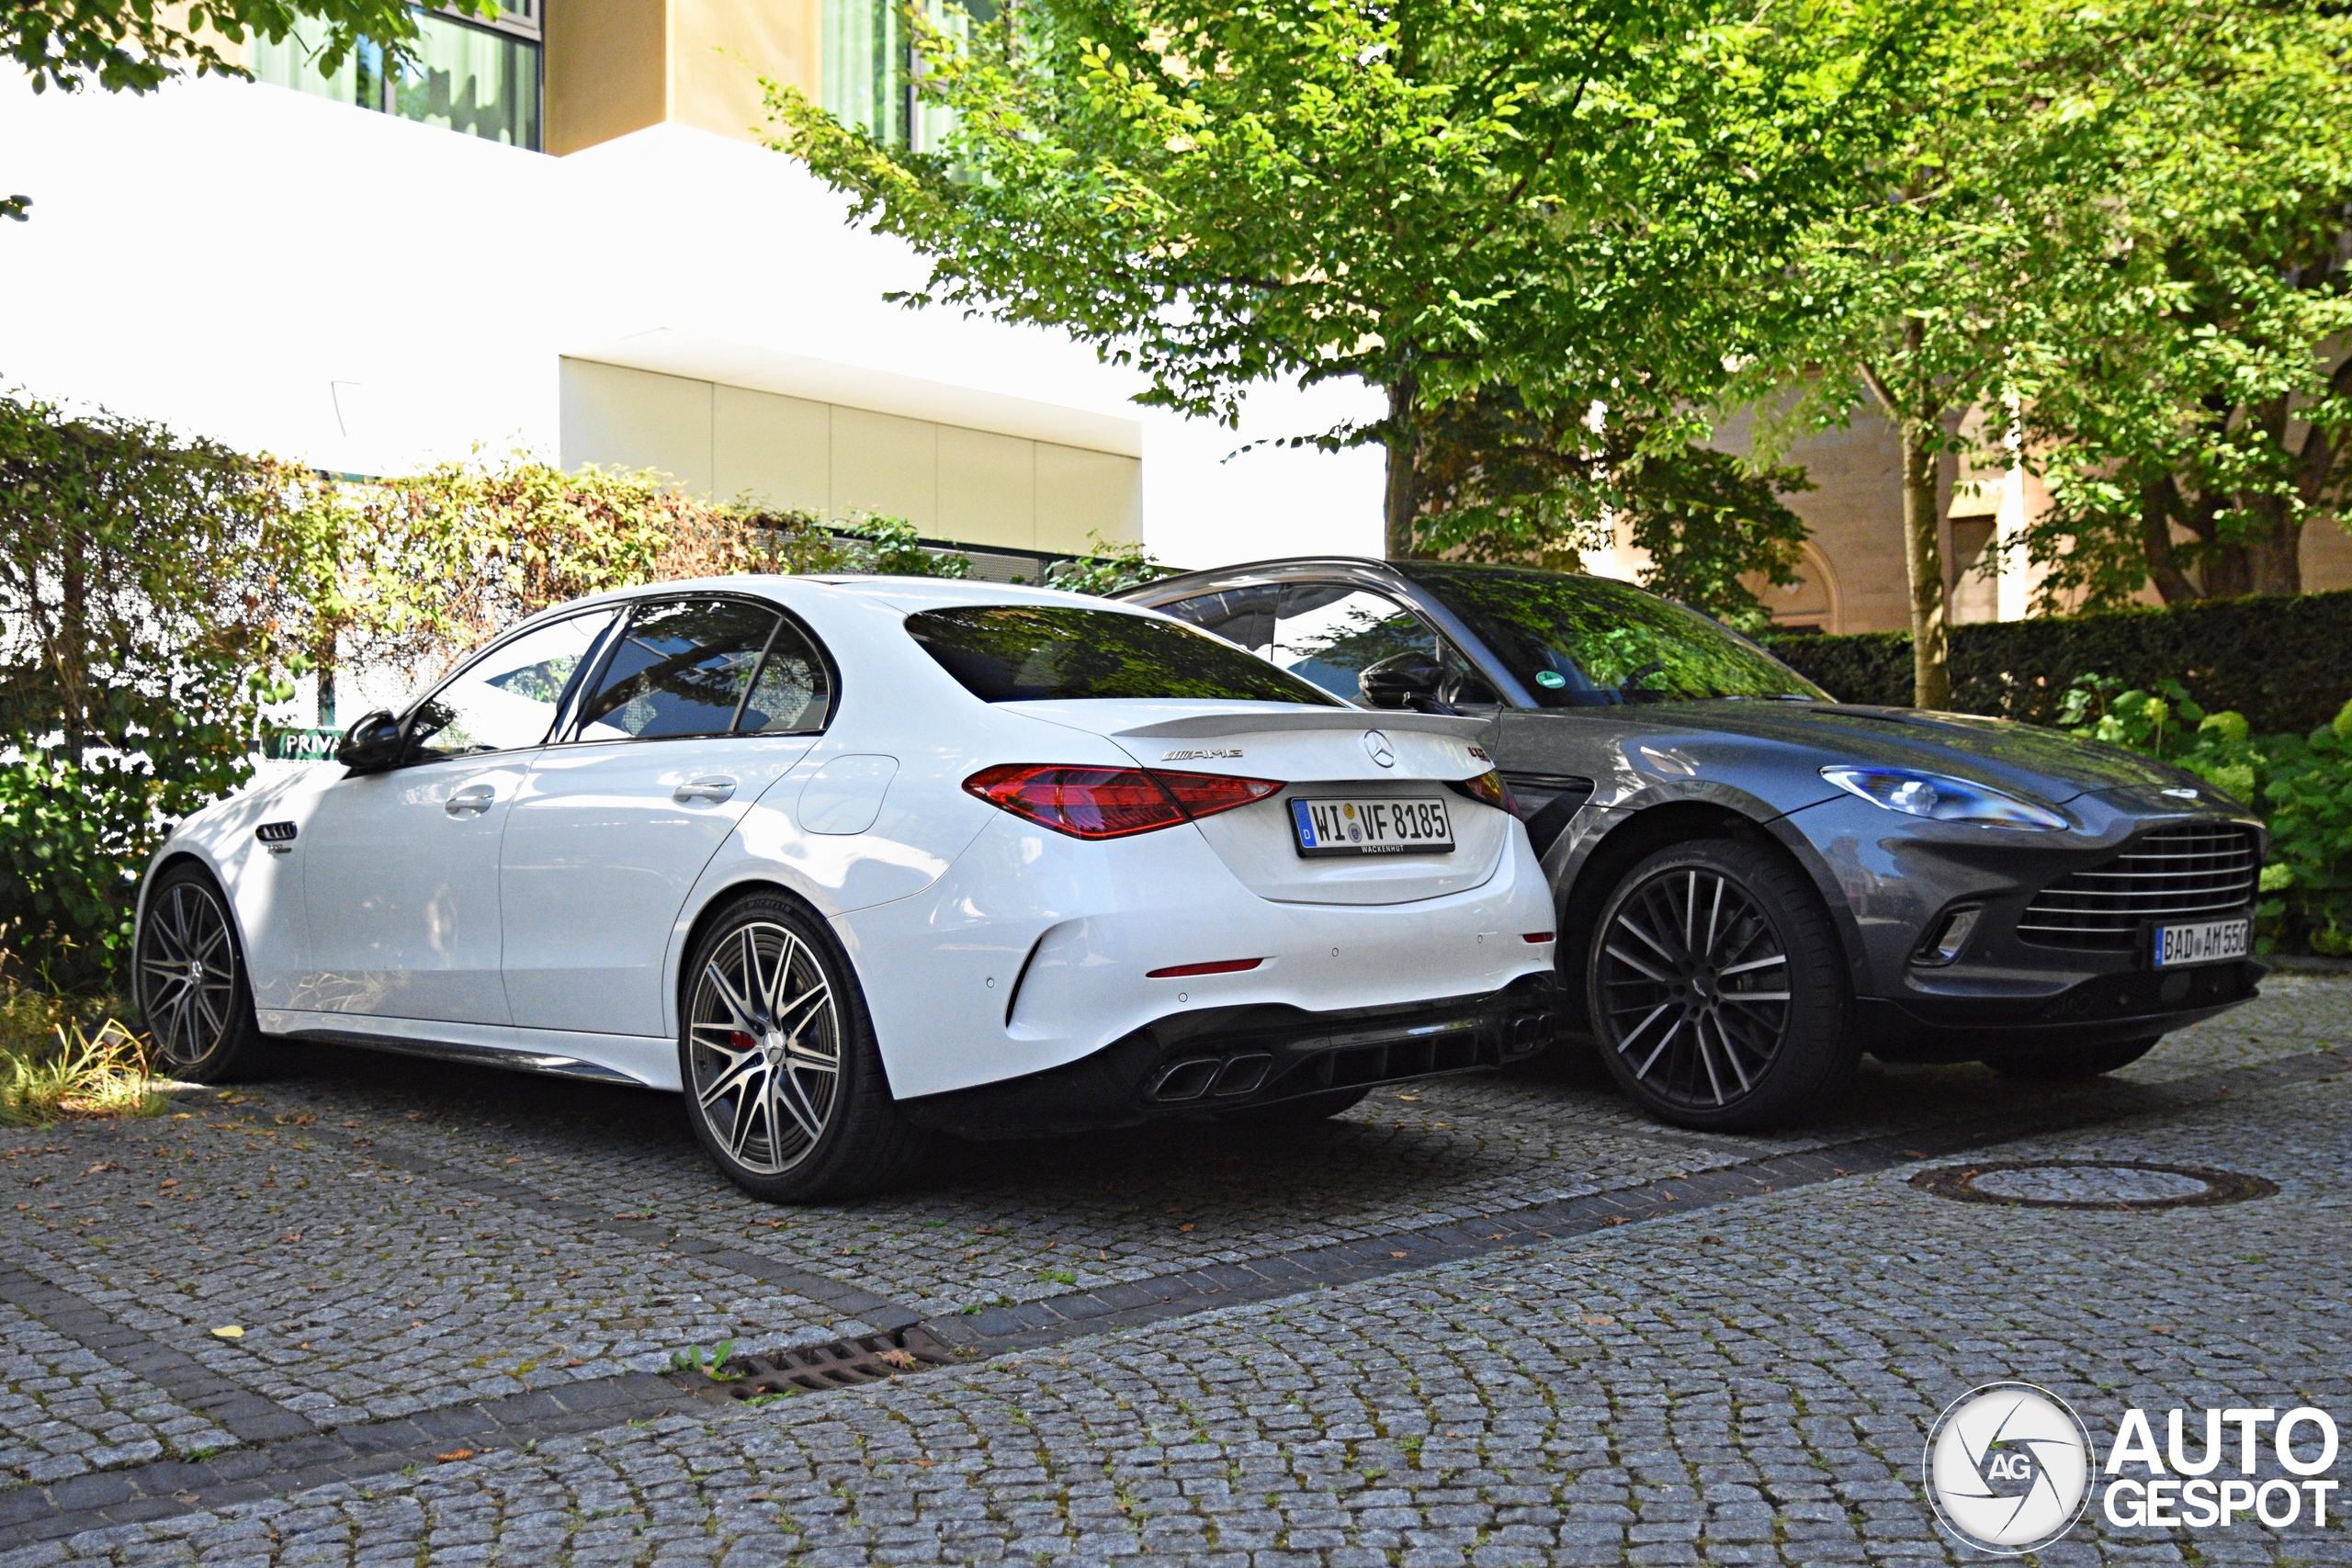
1749 1381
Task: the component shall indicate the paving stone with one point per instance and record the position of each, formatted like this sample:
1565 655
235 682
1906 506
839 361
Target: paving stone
1748 1382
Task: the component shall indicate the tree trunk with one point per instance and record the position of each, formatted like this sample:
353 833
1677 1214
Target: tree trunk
1921 430
2276 559
1923 563
2228 573
2155 542
1401 504
74 648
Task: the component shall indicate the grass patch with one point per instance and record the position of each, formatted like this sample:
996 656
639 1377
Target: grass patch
70 1058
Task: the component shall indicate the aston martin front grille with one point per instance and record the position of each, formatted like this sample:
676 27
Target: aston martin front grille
2173 873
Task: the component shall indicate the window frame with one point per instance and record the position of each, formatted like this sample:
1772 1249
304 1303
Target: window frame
567 727
1280 587
598 651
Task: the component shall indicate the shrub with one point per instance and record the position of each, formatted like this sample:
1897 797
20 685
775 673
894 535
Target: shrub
1106 568
2301 785
140 634
408 574
2280 662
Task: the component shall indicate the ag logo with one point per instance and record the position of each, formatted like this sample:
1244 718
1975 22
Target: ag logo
2008 1468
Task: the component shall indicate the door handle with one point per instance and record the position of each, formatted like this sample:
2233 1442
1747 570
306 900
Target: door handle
474 798
715 789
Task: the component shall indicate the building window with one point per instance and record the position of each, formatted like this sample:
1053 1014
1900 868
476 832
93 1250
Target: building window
475 77
869 66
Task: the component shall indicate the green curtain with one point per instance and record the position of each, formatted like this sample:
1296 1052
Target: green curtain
289 63
865 67
465 79
481 82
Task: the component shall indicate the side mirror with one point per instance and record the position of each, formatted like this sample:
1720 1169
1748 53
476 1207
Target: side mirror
372 744
1397 680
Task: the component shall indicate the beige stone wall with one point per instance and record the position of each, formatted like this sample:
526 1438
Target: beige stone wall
2327 558
1856 513
973 487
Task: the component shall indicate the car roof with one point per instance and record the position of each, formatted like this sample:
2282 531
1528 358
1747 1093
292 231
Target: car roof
900 593
1364 569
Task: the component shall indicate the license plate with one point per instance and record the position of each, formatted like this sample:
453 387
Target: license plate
1340 827
2208 941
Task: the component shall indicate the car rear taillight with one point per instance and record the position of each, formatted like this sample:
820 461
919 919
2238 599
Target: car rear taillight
1206 795
1487 787
1110 803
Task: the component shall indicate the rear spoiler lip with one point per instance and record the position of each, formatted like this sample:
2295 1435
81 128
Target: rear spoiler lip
1204 727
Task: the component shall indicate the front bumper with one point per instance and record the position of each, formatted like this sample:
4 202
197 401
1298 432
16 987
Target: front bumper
2129 1004
2005 996
1234 1058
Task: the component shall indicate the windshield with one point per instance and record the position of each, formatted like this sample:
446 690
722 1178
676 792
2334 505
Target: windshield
1591 641
1012 653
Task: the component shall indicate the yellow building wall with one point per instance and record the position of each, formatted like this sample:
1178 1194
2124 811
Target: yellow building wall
720 49
607 70
614 66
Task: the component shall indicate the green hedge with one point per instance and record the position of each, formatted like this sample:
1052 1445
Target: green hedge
2286 664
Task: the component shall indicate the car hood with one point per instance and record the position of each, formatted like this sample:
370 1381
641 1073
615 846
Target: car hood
2046 763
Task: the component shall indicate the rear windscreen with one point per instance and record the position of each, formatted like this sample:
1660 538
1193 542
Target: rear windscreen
1012 653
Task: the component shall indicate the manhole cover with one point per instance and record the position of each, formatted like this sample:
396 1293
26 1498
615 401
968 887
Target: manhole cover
2091 1184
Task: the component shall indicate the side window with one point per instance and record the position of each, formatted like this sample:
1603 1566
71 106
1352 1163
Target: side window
681 668
1326 633
793 694
1245 616
1330 632
507 698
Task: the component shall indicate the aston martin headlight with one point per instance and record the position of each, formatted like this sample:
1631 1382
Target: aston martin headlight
1941 796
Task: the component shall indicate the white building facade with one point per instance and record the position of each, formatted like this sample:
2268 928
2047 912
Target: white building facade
370 278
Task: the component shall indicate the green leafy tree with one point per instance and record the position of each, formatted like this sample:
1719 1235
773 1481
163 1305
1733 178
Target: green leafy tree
2037 260
1576 199
136 46
1501 483
2206 423
1917 295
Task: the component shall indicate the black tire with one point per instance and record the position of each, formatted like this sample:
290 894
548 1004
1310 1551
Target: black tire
1304 1111
2062 1065
784 1083
190 982
1716 938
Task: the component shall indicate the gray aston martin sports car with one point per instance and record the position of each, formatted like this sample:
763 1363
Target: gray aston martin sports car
1758 883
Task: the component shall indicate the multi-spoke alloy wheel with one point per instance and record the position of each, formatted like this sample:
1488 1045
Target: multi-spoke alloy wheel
765 1045
1713 987
191 987
783 1085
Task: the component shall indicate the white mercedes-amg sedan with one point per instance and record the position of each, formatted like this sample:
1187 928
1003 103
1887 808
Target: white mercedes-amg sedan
848 861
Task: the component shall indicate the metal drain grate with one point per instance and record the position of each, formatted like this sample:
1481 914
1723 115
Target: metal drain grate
838 1363
2091 1184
